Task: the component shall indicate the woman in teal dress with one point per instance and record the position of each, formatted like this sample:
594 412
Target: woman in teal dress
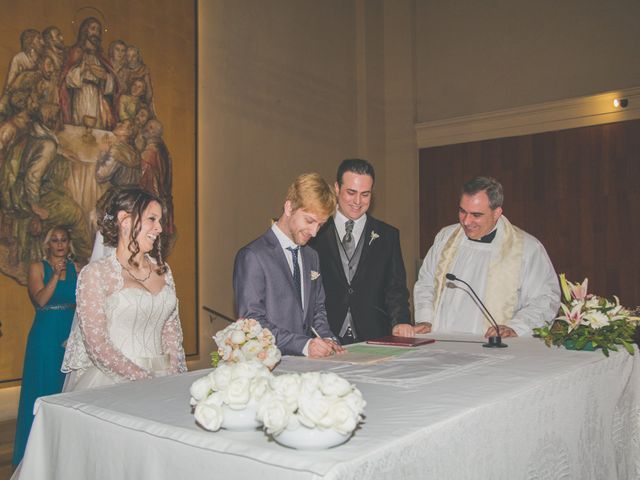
52 289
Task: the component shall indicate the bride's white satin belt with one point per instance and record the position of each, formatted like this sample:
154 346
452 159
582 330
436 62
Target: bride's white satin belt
160 365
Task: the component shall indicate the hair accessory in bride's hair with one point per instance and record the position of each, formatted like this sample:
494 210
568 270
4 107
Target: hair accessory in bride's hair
107 217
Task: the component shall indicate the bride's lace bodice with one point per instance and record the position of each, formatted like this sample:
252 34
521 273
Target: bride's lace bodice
141 316
116 326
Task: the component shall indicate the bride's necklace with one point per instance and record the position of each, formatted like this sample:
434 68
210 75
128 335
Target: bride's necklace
141 280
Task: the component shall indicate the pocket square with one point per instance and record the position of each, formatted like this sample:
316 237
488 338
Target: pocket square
314 275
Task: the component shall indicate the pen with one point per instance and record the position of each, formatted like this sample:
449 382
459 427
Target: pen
318 335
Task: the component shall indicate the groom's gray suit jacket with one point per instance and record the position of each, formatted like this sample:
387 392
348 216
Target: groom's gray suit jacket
264 290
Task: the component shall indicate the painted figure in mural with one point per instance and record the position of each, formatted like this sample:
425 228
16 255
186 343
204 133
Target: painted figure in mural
54 46
89 84
128 326
130 103
136 69
32 88
12 133
26 60
140 120
117 57
119 163
52 289
156 169
34 193
40 86
32 45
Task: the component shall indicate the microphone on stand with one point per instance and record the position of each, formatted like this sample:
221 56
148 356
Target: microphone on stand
494 341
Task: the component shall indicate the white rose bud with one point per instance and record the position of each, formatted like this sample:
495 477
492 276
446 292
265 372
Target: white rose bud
236 396
343 419
272 357
259 386
221 376
288 387
238 337
226 353
274 414
333 385
237 356
251 348
218 339
263 371
208 415
244 370
355 401
201 388
255 329
310 381
312 408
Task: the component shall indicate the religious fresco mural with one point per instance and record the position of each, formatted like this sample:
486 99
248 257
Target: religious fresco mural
92 96
75 118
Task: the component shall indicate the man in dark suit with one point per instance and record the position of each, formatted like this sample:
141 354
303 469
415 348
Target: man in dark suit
361 263
276 278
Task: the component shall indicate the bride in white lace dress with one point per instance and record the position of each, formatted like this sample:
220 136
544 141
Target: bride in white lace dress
127 325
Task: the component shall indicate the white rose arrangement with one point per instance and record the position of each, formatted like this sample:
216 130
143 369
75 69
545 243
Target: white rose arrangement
232 386
311 400
245 340
284 402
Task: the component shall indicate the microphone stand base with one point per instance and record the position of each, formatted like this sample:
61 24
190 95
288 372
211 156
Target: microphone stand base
495 342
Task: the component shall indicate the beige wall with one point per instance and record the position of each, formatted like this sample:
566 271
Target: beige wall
401 160
474 57
277 98
290 86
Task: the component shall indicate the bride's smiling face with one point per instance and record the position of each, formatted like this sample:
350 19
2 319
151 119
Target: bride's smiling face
150 227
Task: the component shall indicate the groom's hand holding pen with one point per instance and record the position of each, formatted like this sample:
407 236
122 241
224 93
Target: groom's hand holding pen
324 347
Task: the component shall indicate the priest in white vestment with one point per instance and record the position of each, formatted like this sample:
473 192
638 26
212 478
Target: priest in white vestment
508 269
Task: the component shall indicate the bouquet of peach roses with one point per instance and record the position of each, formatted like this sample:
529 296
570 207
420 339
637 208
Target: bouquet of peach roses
246 340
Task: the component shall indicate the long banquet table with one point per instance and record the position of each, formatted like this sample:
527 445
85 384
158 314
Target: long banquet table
443 411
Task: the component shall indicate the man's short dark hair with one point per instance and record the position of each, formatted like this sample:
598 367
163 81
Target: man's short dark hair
26 39
47 34
489 185
357 166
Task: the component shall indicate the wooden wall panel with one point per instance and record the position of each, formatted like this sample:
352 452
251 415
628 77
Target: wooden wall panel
577 191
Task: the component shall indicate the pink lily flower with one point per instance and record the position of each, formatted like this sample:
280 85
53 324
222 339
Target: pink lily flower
573 317
579 290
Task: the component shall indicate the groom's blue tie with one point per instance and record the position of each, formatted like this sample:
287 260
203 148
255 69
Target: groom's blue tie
296 270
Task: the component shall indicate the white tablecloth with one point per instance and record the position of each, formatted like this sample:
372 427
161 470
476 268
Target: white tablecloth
445 411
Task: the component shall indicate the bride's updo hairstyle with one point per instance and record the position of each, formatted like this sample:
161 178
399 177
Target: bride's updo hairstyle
134 201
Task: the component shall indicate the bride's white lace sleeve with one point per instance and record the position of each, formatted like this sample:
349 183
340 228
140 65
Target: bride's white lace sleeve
95 280
172 335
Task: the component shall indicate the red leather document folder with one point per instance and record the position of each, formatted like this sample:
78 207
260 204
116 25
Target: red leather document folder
400 341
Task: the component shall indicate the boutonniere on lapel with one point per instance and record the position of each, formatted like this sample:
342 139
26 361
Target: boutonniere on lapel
373 236
314 275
